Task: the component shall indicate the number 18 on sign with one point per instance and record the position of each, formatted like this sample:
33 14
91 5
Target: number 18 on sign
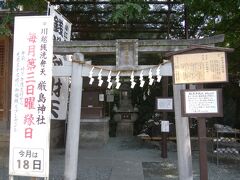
28 160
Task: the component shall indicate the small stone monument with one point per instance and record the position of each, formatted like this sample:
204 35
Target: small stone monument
126 114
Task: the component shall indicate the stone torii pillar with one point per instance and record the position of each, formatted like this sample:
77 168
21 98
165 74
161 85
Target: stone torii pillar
73 128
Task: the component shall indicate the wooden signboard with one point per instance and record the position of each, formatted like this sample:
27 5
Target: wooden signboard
202 103
210 67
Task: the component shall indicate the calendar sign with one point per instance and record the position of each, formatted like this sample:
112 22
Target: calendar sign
31 96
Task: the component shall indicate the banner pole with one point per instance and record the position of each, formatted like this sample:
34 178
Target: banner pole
48 8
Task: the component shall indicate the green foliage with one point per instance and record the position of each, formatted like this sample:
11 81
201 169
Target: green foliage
4 25
209 17
129 10
38 6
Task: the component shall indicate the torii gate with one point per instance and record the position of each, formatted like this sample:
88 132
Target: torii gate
77 69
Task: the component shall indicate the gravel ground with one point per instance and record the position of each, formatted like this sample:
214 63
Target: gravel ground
132 159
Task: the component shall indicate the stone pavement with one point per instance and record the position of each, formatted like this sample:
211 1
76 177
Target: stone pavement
129 159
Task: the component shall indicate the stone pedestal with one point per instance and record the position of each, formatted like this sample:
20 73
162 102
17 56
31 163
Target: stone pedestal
125 121
124 129
94 132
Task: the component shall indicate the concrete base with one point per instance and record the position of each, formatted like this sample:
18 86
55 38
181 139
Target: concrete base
94 132
57 133
124 129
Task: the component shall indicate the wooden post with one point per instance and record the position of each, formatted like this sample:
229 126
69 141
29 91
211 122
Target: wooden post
202 148
164 143
202 139
183 138
164 134
73 127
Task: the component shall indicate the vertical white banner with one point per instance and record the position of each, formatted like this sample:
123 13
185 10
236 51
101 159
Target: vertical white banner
61 32
31 96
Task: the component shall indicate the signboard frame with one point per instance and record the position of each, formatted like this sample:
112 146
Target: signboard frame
167 100
126 54
197 59
218 98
